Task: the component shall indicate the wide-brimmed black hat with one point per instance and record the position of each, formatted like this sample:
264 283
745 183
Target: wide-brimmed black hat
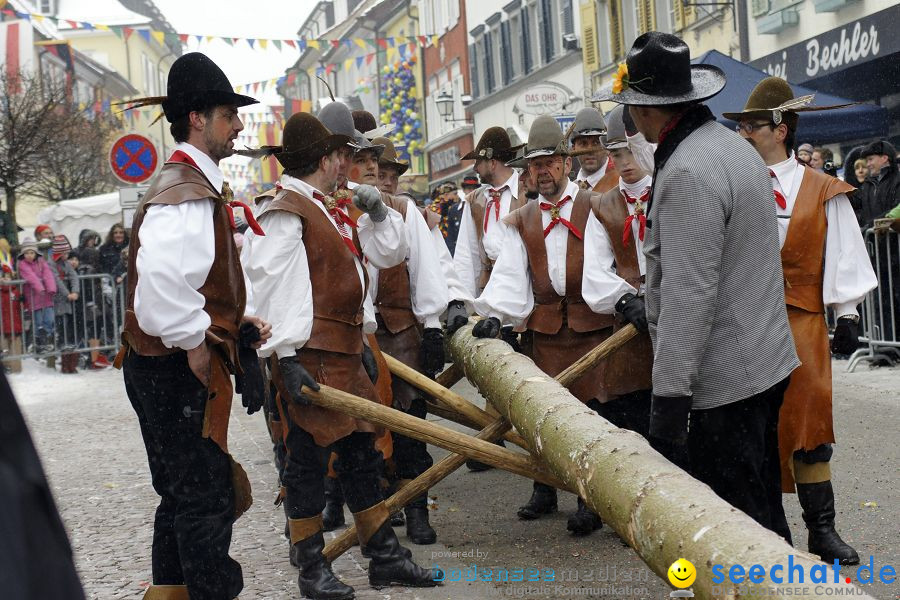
658 72
195 83
494 143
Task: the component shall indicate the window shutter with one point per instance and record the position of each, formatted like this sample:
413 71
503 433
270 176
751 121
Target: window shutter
616 30
526 42
677 15
505 53
488 63
545 26
589 48
474 83
567 19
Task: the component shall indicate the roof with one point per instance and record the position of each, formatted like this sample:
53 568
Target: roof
104 12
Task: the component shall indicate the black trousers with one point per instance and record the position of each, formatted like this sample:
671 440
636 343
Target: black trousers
734 450
191 474
411 456
357 468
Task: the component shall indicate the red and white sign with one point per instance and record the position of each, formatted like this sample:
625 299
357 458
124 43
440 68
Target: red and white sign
133 158
543 99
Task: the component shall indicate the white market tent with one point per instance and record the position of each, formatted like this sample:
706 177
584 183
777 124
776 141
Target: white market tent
69 217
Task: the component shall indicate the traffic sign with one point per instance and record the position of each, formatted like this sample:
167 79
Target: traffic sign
133 158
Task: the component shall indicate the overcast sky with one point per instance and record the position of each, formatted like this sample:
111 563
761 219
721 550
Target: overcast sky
270 19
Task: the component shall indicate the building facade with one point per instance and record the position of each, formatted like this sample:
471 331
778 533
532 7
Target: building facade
446 72
524 60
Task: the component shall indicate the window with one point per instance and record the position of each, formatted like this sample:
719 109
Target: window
329 15
545 26
488 54
515 50
506 65
452 13
566 17
47 7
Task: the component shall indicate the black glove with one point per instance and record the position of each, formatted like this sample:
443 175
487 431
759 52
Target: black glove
295 377
457 316
432 351
669 425
510 337
631 307
845 340
369 363
251 385
487 328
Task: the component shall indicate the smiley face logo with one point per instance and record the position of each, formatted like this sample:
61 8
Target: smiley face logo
682 573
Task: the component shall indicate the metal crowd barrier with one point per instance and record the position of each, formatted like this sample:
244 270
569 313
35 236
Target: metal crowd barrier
91 324
880 316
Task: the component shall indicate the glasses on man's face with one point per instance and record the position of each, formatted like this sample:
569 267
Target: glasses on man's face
748 127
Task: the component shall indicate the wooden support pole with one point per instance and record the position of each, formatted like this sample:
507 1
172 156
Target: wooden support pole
448 398
431 433
451 376
416 488
581 366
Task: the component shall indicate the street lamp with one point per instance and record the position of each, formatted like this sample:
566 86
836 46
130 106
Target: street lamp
444 102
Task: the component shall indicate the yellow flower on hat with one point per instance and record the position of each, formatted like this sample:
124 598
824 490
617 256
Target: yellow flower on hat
620 79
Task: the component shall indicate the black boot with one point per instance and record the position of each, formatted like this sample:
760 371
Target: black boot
476 466
391 566
316 579
418 530
333 515
542 502
817 501
397 519
584 521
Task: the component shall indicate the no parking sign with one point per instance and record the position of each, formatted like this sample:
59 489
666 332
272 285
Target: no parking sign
133 158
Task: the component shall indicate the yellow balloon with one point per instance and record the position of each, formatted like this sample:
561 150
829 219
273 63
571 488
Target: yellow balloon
682 573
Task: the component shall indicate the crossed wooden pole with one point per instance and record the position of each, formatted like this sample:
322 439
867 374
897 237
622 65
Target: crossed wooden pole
454 407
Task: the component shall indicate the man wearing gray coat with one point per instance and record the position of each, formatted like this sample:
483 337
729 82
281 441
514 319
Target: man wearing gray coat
723 351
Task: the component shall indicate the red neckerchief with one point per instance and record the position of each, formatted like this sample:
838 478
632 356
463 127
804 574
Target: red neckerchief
668 127
555 219
779 197
341 219
638 214
495 195
180 156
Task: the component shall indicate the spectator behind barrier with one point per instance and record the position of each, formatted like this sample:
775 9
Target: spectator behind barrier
881 191
89 255
804 153
110 251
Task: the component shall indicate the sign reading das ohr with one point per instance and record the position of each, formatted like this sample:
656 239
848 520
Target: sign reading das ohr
133 158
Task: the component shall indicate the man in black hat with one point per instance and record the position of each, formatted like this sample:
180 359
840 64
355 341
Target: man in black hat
555 278
308 275
481 230
825 263
723 351
184 334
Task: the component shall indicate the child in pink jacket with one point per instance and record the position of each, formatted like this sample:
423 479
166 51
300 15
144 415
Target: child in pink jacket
40 287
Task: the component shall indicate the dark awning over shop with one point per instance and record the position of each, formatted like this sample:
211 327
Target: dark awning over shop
863 121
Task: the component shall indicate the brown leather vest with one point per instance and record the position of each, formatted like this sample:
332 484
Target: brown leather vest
223 289
550 307
394 298
803 253
476 202
337 294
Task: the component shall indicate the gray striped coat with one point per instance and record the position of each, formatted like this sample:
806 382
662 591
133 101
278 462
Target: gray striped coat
715 290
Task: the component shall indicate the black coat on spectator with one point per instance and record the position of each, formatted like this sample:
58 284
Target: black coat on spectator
89 255
35 556
879 193
110 255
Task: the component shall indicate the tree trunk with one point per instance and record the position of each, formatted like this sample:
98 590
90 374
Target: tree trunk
11 211
658 509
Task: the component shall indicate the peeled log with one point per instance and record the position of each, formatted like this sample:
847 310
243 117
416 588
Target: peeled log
658 509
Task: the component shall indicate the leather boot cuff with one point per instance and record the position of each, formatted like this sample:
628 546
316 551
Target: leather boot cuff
303 528
167 592
369 521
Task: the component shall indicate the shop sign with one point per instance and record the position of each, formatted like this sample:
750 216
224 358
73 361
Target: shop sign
543 99
853 44
441 160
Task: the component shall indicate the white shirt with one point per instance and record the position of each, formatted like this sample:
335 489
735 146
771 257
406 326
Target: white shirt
635 190
848 275
594 177
509 296
467 258
175 256
642 150
428 289
277 269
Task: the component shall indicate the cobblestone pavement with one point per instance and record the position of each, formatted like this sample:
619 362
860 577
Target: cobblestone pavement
88 439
